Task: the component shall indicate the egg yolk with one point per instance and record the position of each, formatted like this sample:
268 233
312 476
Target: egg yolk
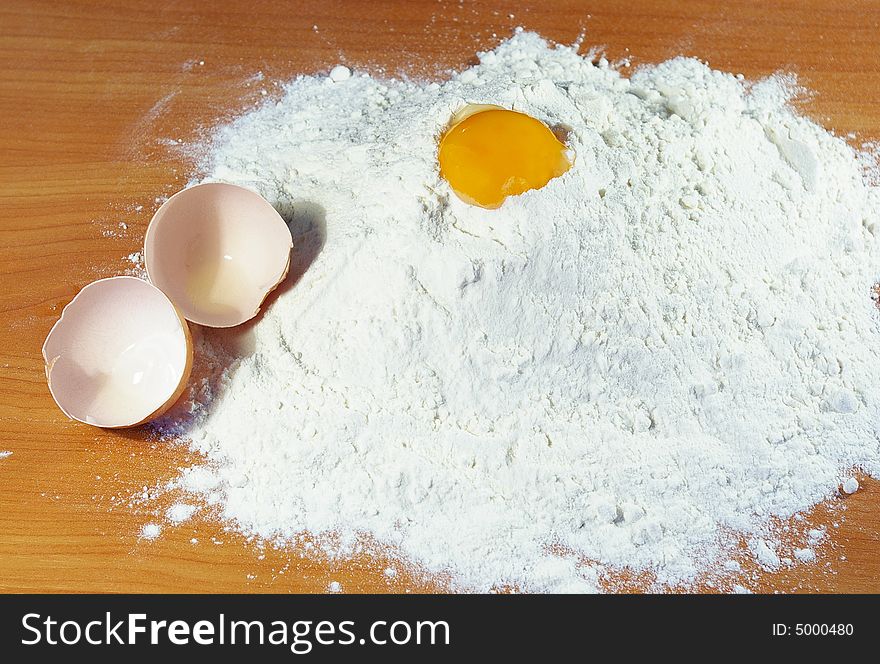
492 154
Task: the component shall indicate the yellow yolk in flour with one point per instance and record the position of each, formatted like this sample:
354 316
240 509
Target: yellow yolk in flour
492 153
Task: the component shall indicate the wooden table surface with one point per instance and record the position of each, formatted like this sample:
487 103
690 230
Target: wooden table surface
93 95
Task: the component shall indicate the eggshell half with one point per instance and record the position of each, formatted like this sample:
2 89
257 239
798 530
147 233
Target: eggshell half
217 250
120 354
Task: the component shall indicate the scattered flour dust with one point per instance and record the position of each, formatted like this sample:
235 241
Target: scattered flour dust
639 365
151 531
179 512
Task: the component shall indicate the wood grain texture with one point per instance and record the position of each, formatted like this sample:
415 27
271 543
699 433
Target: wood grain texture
92 96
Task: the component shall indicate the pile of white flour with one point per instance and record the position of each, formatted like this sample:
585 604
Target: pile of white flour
665 347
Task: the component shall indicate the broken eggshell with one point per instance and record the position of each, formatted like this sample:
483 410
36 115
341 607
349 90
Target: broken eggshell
120 354
217 250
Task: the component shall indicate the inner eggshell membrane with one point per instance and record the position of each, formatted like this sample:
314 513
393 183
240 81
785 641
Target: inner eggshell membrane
119 355
217 250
